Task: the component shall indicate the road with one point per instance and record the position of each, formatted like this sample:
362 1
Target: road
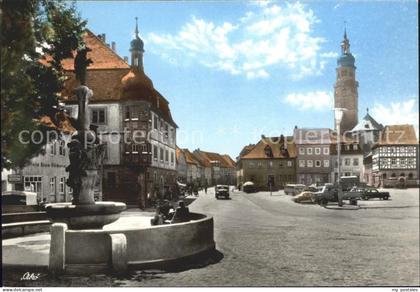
265 240
271 241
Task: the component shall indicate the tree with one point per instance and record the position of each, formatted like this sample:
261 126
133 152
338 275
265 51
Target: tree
31 30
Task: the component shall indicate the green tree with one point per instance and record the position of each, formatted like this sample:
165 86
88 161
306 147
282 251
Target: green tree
30 30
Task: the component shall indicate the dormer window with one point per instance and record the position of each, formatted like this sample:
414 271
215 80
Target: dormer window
366 126
268 151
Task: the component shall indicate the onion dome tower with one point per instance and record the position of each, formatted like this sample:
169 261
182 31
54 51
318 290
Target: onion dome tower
346 87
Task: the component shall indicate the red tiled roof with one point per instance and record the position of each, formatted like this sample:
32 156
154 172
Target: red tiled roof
178 153
60 121
189 157
229 160
103 57
112 79
206 159
274 143
246 150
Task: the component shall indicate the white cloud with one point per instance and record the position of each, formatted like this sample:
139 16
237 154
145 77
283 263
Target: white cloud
397 113
269 35
313 100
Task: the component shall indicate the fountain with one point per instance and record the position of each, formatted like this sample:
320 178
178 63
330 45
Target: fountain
86 154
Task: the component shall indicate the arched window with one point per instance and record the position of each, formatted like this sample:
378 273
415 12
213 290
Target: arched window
393 175
410 175
402 174
384 176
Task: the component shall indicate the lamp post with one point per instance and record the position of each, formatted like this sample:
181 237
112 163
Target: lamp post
338 116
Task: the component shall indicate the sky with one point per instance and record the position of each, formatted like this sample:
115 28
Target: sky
235 70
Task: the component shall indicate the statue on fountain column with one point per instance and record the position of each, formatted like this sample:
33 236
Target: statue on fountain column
86 151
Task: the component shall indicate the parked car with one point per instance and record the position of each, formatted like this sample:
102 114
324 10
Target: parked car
329 193
249 187
294 189
222 191
19 198
371 193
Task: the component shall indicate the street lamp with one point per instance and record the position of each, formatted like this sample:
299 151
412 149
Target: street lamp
338 116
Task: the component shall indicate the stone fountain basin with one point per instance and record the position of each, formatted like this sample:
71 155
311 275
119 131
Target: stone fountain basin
92 216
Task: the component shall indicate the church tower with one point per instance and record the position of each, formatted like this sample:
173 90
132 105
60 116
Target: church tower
137 50
345 88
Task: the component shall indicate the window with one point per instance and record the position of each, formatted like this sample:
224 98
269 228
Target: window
135 148
155 152
61 185
347 147
166 156
61 148
326 151
301 163
53 150
127 113
309 150
302 151
289 163
355 161
410 175
98 116
310 163
161 155
355 147
317 163
317 151
52 185
33 184
105 150
384 176
270 164
143 148
326 163
347 161
172 158
155 122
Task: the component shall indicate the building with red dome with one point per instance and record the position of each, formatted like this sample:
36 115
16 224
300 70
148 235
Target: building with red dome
133 119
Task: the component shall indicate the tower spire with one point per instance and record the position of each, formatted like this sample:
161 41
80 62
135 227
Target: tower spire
345 30
137 49
137 29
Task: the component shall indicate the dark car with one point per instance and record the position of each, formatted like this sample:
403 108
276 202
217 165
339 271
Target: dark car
222 191
374 193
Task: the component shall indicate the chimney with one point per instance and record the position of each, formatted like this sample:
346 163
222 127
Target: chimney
126 59
108 45
114 46
103 37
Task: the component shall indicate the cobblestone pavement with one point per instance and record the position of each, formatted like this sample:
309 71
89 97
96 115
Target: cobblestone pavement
271 241
268 240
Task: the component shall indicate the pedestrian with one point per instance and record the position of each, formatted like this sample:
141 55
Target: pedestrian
182 213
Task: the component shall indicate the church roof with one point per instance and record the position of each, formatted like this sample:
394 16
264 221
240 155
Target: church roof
367 124
271 146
